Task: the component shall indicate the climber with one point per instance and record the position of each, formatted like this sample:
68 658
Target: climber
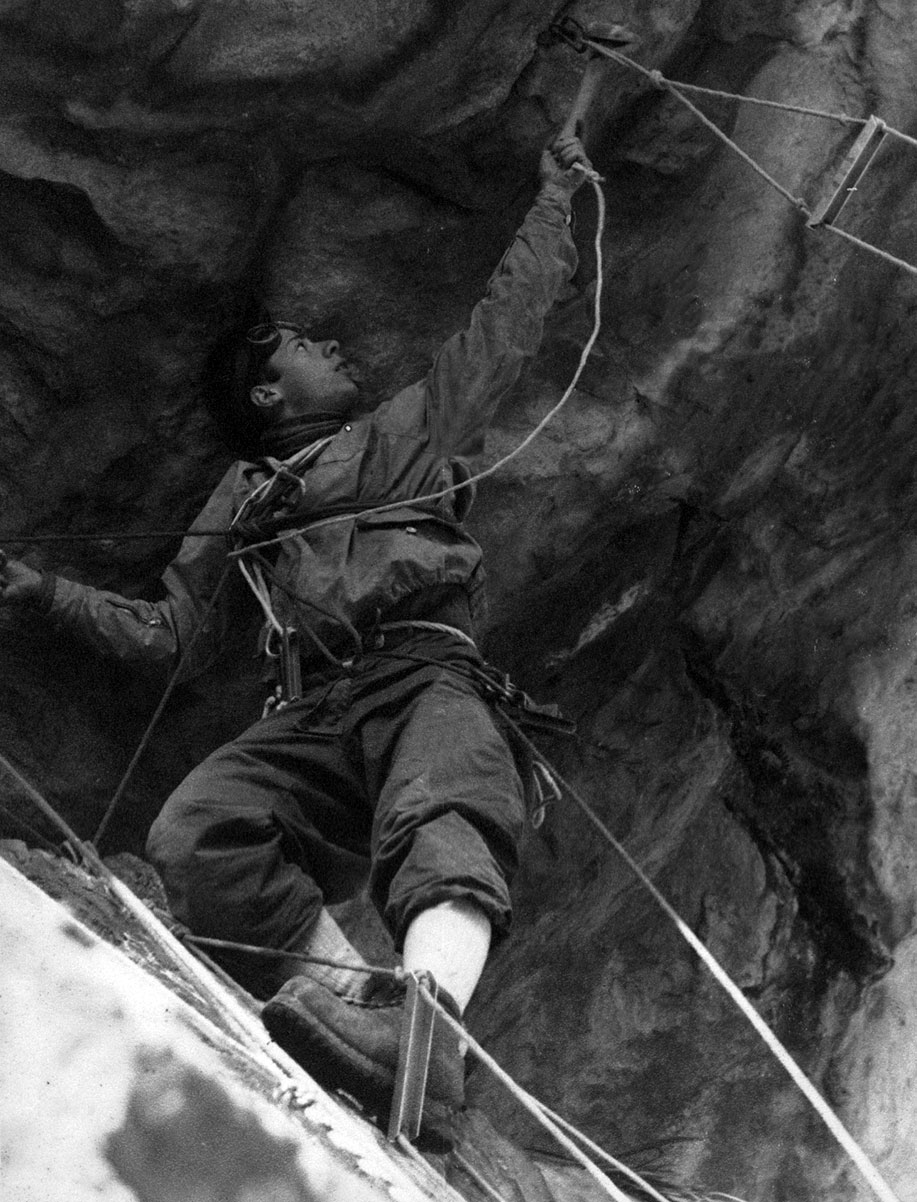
386 748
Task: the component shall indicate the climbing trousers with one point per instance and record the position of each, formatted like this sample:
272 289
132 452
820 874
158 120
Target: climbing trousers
394 765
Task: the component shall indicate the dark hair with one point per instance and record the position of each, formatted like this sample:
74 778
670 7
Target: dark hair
232 371
261 341
236 364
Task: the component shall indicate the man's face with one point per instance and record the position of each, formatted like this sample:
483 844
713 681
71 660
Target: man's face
311 376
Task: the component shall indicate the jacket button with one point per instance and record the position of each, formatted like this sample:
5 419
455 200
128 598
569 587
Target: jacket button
348 427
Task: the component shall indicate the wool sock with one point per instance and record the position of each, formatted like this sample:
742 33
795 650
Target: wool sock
327 941
450 941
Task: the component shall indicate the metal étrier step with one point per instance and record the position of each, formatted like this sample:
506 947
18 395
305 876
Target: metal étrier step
413 1058
854 167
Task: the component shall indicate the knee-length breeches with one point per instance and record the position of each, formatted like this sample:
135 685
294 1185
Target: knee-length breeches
397 766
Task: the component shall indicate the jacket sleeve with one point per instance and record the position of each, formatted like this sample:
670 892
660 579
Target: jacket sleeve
154 633
478 366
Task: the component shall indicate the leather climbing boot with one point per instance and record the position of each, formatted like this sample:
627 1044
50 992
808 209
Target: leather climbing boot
352 1044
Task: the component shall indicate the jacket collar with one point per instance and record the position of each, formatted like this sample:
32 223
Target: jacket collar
282 439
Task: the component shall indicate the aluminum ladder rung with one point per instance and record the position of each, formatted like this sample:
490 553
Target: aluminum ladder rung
413 1060
852 170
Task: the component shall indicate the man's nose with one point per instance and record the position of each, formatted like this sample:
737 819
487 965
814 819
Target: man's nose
330 348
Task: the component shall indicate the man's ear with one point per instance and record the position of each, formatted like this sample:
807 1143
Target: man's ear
264 396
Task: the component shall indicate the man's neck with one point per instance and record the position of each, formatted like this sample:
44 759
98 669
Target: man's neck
290 434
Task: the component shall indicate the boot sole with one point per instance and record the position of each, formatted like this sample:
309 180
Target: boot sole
337 1065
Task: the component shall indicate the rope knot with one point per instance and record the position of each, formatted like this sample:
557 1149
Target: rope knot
589 173
248 531
657 79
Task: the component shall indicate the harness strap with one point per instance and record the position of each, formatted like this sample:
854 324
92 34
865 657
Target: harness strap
420 624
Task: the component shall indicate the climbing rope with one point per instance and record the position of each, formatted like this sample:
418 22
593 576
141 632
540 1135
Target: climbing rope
600 1152
535 1108
544 1116
660 81
677 89
272 953
714 93
248 1030
481 1182
592 178
875 250
254 576
776 1048
595 180
843 1137
27 826
397 973
163 702
113 536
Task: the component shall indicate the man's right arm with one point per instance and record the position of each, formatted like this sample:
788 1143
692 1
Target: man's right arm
476 367
138 631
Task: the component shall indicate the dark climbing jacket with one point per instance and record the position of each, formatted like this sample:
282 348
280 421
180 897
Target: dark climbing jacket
357 569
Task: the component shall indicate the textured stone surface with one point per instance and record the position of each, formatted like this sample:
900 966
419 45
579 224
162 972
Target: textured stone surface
96 1006
708 558
114 1089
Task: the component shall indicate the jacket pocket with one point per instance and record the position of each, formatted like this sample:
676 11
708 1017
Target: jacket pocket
144 618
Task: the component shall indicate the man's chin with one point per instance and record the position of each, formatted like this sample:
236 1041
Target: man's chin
344 400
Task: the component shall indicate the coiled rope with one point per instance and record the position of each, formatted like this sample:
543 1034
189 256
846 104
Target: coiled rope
679 90
595 181
252 574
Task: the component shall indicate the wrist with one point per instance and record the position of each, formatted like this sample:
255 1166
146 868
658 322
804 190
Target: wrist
555 202
560 187
40 594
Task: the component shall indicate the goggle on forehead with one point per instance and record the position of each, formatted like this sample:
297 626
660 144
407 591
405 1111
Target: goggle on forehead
267 336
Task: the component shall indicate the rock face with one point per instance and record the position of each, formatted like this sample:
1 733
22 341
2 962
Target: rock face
706 559
119 1086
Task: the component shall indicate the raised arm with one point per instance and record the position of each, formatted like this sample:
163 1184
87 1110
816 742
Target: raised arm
145 632
476 367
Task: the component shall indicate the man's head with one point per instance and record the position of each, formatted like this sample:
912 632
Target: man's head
291 376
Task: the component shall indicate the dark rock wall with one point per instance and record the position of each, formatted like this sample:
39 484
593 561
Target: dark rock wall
707 559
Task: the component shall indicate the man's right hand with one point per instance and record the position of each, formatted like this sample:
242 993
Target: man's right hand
565 162
19 584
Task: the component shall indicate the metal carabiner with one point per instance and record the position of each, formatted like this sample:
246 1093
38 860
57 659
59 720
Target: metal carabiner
290 665
568 30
